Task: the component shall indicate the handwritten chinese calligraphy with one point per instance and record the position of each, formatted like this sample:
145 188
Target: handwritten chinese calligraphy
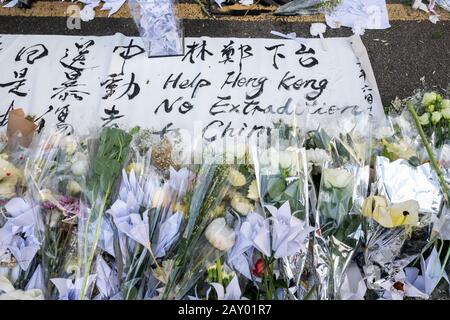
225 87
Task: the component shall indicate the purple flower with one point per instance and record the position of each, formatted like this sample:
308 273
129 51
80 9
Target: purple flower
70 205
48 205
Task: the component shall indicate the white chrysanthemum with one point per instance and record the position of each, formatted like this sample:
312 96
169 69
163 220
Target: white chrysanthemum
220 235
236 178
317 156
241 205
253 191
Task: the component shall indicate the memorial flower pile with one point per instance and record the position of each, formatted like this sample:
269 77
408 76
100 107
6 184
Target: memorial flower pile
349 212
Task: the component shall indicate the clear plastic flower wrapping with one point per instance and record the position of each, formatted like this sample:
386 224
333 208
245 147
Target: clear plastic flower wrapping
159 26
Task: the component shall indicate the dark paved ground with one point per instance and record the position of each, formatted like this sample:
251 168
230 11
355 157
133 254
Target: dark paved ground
400 56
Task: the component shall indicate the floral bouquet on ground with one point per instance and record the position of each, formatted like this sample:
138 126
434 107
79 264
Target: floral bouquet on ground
344 185
408 198
18 235
55 172
143 222
109 150
280 222
205 230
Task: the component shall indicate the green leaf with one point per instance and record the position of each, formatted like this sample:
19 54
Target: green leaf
276 187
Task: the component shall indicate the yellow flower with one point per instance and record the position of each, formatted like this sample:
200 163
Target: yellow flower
73 188
138 168
180 207
218 211
399 214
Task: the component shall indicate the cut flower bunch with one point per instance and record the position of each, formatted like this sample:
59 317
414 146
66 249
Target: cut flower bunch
350 213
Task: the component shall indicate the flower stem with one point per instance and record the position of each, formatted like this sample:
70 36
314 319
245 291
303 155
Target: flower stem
444 186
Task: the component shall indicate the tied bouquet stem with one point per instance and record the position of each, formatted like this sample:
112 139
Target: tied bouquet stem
110 156
445 187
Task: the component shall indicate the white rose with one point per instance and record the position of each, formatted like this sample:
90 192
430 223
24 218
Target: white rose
289 158
236 178
336 178
79 168
286 160
220 235
79 164
241 205
73 188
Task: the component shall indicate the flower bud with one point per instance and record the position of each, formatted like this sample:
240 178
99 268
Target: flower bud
445 104
429 98
446 113
436 117
424 119
73 188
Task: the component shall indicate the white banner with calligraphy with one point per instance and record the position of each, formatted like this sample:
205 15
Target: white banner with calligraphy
232 85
